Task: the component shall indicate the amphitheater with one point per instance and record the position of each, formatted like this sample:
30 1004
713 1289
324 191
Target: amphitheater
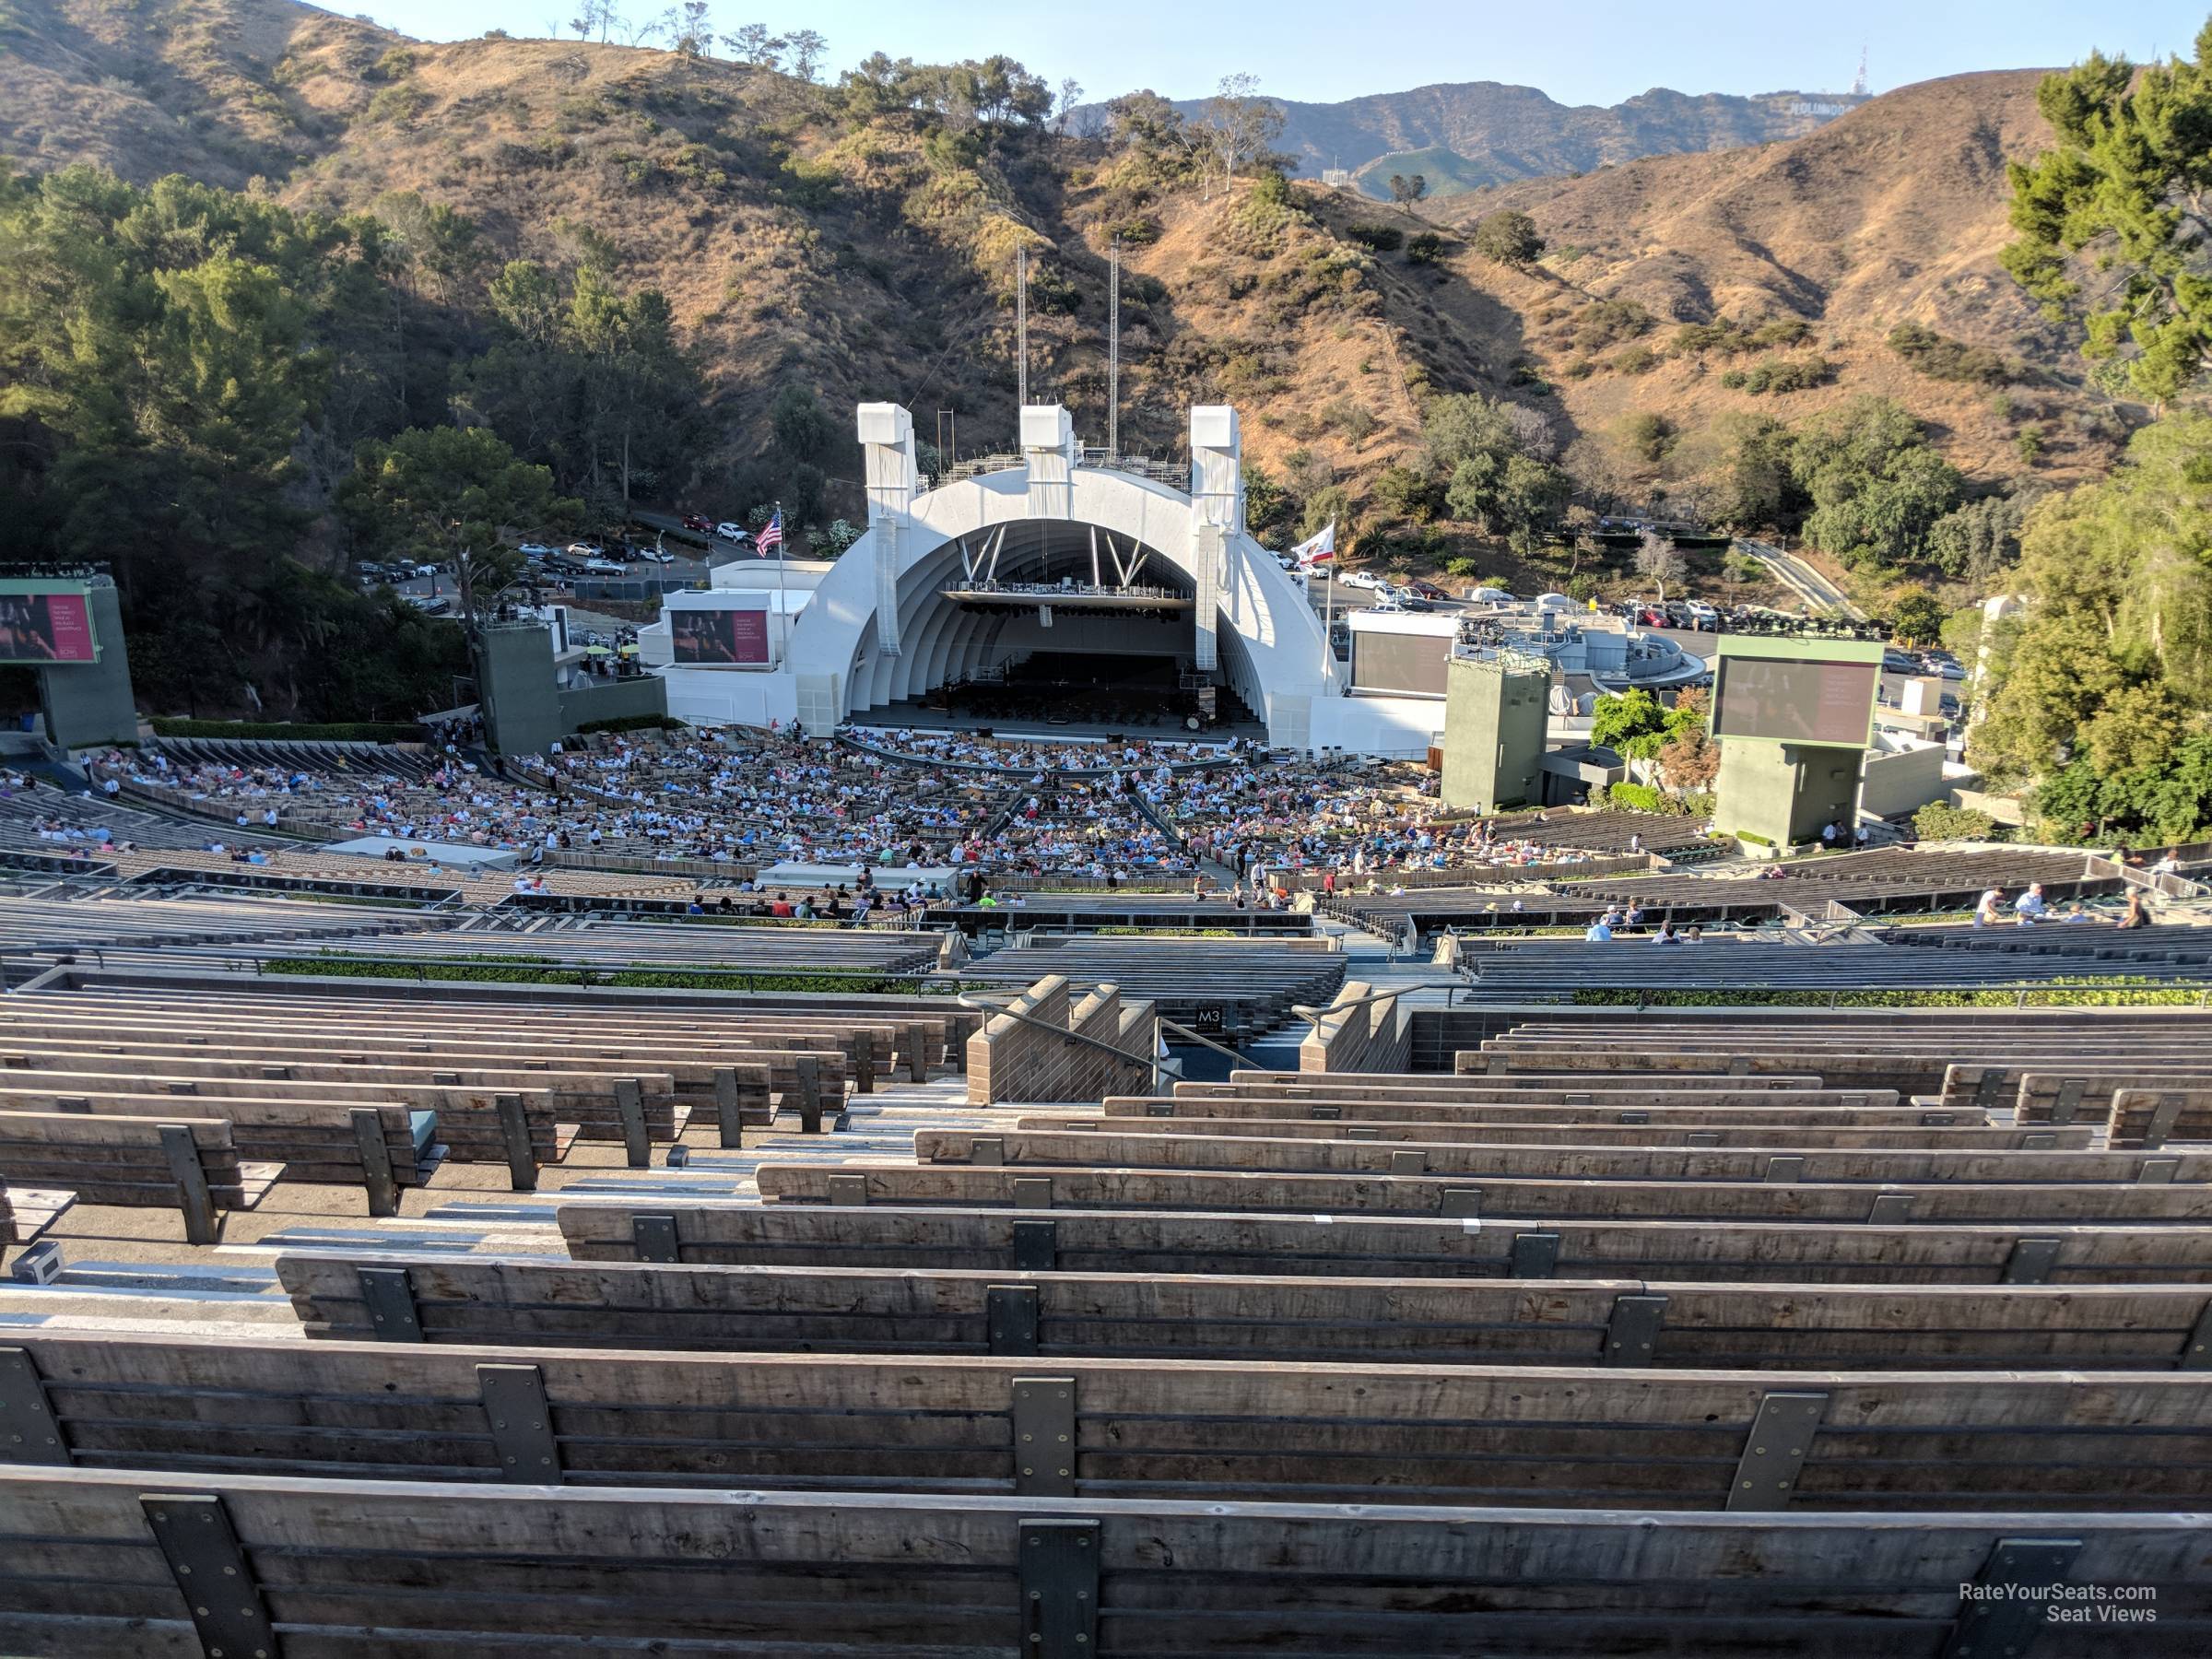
400 1262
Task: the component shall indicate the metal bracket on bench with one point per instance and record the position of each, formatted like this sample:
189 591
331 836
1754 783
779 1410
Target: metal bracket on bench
2158 1171
1892 1209
1044 1437
1463 1202
1534 1255
655 1238
1319 1115
2031 1262
1785 1171
514 1134
376 1160
391 1299
1010 1318
1937 1119
1989 1088
807 1076
2068 1104
916 1045
629 1100
1036 1246
29 1431
848 1188
1774 1451
198 1204
1625 1117
522 1423
1159 1109
1059 1569
1739 1065
728 1117
2009 1620
2197 1353
1633 1331
1361 1132
196 1537
2163 1117
1704 1137
2037 1140
1033 1192
1409 1163
863 1063
987 1149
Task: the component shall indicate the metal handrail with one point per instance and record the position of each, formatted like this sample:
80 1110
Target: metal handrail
1151 1061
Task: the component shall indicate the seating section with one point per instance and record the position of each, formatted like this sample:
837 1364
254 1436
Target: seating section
1747 1330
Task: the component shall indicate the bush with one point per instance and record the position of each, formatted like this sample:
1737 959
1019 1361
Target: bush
1941 357
632 722
1937 821
1635 797
1609 321
1637 359
1783 374
1383 239
355 731
1424 247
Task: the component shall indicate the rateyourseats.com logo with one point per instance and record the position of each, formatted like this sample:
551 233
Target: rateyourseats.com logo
2077 1604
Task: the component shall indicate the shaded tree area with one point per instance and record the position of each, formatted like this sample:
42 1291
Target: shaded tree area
187 373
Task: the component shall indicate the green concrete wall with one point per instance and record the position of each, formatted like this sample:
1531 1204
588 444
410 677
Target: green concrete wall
1494 725
88 704
515 686
613 700
1782 794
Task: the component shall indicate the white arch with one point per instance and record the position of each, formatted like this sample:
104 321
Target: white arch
1274 663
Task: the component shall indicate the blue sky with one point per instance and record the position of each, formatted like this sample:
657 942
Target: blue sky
1594 52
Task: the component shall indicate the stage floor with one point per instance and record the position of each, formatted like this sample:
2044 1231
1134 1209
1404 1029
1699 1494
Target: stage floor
914 716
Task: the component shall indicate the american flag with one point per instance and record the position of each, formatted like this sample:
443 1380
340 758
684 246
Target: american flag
771 535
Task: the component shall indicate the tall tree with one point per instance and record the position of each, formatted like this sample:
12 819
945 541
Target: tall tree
807 47
1509 237
1239 124
1407 188
2115 223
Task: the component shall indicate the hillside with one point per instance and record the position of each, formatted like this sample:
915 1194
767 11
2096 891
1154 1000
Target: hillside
1894 214
863 249
1473 134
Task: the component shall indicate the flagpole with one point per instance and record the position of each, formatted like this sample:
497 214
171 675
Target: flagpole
782 607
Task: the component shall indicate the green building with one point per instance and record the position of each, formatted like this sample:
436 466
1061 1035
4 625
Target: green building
1497 703
1794 719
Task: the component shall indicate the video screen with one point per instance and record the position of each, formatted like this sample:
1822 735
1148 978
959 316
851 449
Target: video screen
46 628
1794 701
719 639
1414 664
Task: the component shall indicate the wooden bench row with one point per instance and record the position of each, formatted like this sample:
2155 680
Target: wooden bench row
1150 1242
190 1164
1935 1131
1396 1321
102 1562
1555 1161
1491 1198
1149 1430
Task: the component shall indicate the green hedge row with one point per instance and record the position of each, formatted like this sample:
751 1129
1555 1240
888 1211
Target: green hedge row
650 979
357 730
632 722
2096 992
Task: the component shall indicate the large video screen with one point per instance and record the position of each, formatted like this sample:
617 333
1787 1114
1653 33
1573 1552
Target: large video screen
1405 664
719 639
53 627
1794 701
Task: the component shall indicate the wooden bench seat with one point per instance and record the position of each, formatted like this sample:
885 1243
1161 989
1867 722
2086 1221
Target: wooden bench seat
27 1211
1542 1131
1541 1086
191 1164
1484 1196
1135 1429
1617 1109
1575 1161
1464 1322
383 1148
1390 1247
428 1571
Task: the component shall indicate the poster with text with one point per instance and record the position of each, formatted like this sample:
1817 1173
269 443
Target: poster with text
719 639
46 628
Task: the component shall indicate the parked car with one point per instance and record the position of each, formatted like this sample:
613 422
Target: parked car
697 520
602 567
1701 615
732 532
1491 595
1942 663
1287 560
1412 602
656 555
1360 579
430 604
580 550
1386 604
1898 662
535 552
1429 590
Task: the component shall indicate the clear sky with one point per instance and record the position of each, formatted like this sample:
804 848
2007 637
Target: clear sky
1594 52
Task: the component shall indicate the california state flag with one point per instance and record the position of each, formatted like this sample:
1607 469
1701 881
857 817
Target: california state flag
1318 549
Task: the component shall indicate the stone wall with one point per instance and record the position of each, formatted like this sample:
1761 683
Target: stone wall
1014 1059
1374 1037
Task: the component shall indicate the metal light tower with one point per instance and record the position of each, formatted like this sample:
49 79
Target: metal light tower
1113 350
1021 327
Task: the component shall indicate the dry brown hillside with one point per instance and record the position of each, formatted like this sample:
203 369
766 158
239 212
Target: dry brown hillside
1894 214
873 264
